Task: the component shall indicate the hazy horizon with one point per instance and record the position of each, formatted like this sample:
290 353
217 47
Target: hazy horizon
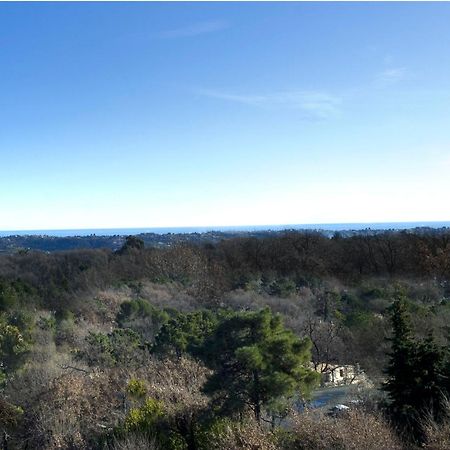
202 229
179 114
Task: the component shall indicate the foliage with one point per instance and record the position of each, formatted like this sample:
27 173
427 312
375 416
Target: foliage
151 419
10 415
185 333
146 417
132 242
354 431
282 287
226 434
12 344
87 367
12 293
417 375
136 388
120 347
255 361
47 323
143 318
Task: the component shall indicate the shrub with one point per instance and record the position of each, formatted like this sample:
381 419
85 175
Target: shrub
225 434
120 347
283 287
140 316
146 417
136 388
354 431
9 414
72 411
12 344
437 435
135 441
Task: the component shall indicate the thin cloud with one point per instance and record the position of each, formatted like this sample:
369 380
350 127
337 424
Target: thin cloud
314 105
391 76
195 29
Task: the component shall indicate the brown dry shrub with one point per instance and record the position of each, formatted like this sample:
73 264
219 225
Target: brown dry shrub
178 385
241 436
437 436
135 442
175 382
70 408
102 309
168 295
76 408
9 414
355 430
106 305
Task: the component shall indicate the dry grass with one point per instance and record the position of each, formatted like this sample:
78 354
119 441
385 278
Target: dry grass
66 408
246 436
135 442
75 408
437 435
354 431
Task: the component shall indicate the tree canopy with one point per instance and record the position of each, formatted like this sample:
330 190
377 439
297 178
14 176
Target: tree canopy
256 362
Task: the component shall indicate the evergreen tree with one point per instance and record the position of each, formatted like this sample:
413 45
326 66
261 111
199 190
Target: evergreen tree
429 379
417 378
185 333
132 242
401 365
256 361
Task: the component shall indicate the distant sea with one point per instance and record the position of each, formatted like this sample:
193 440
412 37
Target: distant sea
176 230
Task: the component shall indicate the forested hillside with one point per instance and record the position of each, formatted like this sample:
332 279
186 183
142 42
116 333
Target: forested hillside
221 344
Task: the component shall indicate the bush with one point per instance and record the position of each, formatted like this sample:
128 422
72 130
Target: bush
225 434
10 415
437 436
135 441
143 318
282 287
72 412
354 431
146 417
120 347
136 388
12 345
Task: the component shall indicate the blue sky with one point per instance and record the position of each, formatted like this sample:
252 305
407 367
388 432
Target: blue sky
185 114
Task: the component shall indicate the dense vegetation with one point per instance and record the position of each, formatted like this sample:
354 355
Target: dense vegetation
43 242
214 345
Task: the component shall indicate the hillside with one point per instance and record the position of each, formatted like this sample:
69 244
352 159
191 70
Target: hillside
113 348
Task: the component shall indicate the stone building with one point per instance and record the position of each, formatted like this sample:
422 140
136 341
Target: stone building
340 375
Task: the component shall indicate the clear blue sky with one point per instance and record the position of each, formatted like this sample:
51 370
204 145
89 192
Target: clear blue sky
178 114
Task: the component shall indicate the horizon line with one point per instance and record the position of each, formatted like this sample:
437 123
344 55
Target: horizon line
217 227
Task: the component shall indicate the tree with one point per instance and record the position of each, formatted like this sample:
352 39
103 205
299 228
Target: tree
132 242
185 333
327 344
430 392
8 296
256 363
417 375
401 364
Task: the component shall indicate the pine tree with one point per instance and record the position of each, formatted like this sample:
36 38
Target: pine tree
417 377
400 370
429 379
256 362
185 333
